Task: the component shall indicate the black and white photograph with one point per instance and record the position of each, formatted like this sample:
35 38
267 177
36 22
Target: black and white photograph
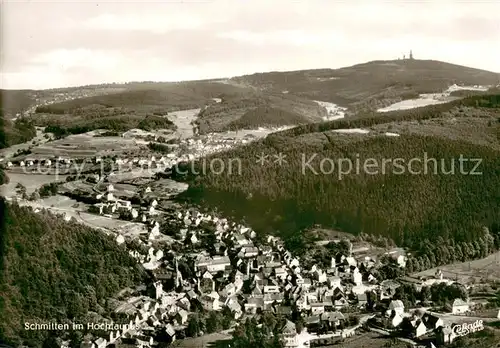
249 173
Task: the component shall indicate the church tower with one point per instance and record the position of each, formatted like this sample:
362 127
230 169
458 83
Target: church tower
178 275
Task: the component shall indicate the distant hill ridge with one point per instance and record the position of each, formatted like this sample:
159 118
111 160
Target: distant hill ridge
362 87
371 85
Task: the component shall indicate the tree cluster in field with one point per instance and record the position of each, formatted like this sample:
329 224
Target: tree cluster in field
304 246
47 190
411 210
159 147
208 322
440 294
266 335
55 270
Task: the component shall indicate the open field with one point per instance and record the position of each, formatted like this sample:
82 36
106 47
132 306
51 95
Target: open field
30 181
183 120
81 146
423 100
469 272
123 227
129 175
368 340
211 340
165 188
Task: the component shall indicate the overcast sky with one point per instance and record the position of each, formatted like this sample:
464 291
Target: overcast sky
49 44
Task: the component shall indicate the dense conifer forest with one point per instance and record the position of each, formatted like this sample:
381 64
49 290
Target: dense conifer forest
55 270
444 217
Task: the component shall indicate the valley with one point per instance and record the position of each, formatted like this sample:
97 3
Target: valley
219 249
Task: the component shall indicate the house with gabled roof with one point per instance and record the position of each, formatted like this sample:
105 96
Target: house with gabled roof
218 263
182 316
210 303
334 318
419 328
101 342
317 308
170 331
395 320
362 300
432 322
387 288
235 308
301 303
396 306
253 304
445 335
289 335
257 291
458 306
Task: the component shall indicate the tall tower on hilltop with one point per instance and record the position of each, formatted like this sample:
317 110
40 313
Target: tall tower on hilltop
411 54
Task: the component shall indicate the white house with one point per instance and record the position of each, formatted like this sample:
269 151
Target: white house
101 343
357 277
334 282
419 329
134 213
289 335
458 306
397 306
317 308
120 239
218 263
395 320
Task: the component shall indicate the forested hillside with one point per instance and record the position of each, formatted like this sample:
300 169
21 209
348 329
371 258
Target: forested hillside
14 132
266 117
414 210
258 109
55 270
150 96
13 102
